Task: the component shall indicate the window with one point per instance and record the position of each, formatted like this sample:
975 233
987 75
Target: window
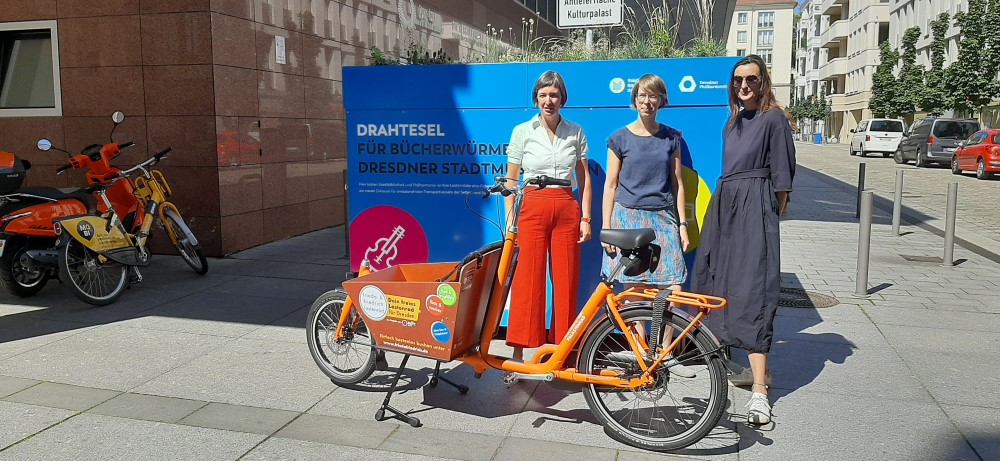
863 126
765 20
996 139
741 52
741 17
954 129
765 55
765 38
741 36
29 69
887 126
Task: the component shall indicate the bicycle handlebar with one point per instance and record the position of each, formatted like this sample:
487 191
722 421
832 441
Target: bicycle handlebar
540 181
126 144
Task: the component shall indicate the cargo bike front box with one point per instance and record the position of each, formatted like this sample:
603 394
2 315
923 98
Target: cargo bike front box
432 310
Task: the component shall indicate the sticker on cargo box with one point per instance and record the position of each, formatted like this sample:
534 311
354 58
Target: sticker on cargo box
435 305
447 294
373 302
403 308
440 331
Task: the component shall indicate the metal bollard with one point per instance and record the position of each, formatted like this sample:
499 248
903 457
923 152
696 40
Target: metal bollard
897 205
861 187
864 245
949 225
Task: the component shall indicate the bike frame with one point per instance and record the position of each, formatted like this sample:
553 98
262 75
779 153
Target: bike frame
603 295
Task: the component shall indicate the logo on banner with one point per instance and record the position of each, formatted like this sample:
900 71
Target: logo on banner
617 85
440 331
688 84
434 305
373 303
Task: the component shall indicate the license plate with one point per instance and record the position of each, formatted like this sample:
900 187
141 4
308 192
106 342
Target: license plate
949 149
2 241
886 139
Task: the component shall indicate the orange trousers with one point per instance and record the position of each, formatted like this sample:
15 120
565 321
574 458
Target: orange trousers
548 231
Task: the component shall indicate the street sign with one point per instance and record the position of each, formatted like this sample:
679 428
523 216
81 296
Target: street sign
574 14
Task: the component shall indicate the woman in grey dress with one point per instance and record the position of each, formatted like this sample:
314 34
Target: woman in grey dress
738 258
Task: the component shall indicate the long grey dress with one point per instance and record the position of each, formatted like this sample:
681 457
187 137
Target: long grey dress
739 257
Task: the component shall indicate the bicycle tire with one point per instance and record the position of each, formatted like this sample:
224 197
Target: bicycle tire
661 426
185 241
349 360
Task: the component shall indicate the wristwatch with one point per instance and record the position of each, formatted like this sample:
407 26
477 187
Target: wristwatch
684 223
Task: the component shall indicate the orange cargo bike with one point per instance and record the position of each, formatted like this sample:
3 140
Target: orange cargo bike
452 311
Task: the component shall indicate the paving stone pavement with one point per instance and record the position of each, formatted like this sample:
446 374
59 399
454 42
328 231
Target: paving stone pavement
216 366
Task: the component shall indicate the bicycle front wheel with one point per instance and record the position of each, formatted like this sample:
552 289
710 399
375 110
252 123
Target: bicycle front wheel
348 360
185 241
672 412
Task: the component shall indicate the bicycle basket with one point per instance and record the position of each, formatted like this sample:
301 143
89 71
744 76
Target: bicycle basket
408 310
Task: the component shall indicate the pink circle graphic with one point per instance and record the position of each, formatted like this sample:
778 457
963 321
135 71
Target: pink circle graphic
387 236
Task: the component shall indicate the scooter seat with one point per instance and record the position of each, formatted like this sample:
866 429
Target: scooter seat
57 194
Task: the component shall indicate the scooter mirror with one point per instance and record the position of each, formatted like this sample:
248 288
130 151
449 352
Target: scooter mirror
118 117
44 144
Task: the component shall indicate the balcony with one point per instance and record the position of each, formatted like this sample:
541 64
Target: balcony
832 36
833 68
837 102
832 7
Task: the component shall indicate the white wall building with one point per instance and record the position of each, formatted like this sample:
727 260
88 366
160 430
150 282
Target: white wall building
808 60
765 28
851 31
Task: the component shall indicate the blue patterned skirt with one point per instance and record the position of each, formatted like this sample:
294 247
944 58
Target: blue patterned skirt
672 269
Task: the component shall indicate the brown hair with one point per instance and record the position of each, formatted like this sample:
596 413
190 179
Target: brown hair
550 78
651 83
765 95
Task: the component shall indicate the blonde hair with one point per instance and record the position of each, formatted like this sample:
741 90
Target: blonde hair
650 83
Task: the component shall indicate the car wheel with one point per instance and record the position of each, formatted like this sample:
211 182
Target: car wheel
954 165
898 156
921 161
851 150
861 150
981 172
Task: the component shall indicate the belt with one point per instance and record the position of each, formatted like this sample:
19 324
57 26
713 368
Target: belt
745 174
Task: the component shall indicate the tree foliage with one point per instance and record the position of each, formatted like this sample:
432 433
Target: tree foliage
910 84
972 78
935 99
884 83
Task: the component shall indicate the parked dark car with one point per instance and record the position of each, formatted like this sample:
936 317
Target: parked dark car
934 140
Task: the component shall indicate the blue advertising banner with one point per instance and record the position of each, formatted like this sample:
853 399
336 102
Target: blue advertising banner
424 141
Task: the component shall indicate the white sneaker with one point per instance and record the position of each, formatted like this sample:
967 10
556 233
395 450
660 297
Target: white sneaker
758 409
672 364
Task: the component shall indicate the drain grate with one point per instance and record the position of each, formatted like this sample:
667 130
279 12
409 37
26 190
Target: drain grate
797 297
923 259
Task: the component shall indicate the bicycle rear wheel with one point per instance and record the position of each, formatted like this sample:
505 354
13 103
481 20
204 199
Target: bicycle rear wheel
670 413
348 360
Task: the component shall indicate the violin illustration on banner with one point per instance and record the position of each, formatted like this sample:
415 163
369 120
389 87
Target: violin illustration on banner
381 254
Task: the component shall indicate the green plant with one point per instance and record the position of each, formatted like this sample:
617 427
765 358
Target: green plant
971 78
884 83
415 54
910 83
935 100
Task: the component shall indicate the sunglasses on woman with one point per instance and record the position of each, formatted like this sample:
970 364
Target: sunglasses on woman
750 79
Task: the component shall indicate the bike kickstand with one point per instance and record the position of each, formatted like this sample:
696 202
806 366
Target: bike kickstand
462 388
380 414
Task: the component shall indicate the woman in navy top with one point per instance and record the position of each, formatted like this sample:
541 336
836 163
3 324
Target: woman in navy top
644 190
738 257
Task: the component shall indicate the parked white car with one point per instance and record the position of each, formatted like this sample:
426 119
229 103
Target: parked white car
880 135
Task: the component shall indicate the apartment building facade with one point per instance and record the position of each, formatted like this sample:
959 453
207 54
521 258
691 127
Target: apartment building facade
850 34
809 56
766 28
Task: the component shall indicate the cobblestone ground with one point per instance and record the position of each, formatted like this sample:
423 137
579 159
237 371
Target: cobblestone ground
924 190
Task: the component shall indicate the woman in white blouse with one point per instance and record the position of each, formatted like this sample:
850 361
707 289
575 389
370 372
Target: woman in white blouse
553 222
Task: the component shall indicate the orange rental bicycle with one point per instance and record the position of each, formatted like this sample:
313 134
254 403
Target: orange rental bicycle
625 376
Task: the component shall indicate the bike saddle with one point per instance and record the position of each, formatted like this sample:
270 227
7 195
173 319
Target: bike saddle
628 239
